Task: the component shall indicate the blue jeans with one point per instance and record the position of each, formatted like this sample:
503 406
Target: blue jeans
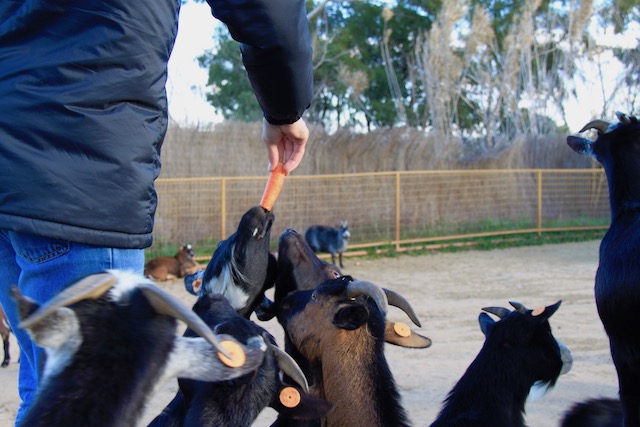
41 267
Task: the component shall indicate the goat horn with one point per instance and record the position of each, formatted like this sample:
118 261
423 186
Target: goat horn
290 367
623 118
360 287
501 312
600 125
164 303
91 287
397 300
519 307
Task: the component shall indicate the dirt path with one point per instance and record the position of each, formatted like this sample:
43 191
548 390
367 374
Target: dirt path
447 291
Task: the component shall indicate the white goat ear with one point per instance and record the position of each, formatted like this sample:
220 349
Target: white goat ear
58 328
194 358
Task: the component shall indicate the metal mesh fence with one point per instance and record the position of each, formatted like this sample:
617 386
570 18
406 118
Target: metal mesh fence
389 207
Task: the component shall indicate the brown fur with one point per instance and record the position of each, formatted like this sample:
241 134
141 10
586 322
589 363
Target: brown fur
167 267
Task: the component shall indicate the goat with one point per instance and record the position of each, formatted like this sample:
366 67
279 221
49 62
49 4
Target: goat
601 412
617 281
322 238
300 269
238 402
171 267
110 341
5 332
519 352
241 267
339 329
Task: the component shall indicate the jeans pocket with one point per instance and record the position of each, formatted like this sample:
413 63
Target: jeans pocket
38 249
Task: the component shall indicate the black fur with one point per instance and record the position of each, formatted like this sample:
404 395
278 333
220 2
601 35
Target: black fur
246 253
617 283
594 413
519 351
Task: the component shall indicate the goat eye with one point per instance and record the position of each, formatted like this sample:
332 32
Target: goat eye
313 296
336 274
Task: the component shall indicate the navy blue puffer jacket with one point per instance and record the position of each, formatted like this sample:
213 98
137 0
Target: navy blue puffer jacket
83 108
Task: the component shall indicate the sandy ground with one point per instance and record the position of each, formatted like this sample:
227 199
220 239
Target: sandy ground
447 291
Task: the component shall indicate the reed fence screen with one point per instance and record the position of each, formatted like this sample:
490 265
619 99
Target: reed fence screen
397 209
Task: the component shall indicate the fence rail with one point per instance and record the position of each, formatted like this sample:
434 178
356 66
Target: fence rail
390 208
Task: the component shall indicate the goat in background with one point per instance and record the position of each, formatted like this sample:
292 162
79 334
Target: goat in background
322 238
172 267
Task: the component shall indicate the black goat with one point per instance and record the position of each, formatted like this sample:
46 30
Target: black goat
322 238
110 341
602 412
238 402
617 282
339 329
519 352
241 267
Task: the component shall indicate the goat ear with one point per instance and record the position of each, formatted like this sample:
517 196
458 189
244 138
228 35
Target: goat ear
309 408
405 338
581 145
351 317
486 323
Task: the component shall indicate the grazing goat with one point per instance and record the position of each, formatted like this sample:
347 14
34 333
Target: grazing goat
238 402
171 267
339 329
5 331
617 282
110 341
519 352
602 412
241 267
322 238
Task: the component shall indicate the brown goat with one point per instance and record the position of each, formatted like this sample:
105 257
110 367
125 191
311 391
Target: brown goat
172 267
339 328
5 332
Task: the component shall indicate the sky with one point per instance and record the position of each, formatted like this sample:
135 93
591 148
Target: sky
186 84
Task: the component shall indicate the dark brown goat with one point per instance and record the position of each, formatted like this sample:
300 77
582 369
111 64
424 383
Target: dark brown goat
172 267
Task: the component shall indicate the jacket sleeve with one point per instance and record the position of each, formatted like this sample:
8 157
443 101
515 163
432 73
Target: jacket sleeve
276 52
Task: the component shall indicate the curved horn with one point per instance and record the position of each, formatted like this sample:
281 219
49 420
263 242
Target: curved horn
623 118
164 303
600 125
501 312
397 300
360 287
519 307
91 287
290 367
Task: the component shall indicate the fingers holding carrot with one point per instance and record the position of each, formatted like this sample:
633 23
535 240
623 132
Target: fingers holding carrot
285 143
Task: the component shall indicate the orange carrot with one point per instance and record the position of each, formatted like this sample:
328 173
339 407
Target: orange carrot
273 187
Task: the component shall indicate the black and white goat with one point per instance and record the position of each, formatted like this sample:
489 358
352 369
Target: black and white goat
238 402
241 267
617 282
110 340
339 329
519 353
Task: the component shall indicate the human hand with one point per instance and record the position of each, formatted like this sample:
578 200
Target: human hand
285 144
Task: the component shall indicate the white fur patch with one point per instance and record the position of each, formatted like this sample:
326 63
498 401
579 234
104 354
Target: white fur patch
225 286
128 280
